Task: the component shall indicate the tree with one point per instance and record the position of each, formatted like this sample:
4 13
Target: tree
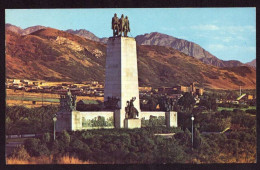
64 139
152 102
31 145
187 101
197 139
209 102
35 147
46 138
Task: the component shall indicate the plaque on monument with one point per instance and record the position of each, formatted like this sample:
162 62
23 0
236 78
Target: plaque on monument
132 123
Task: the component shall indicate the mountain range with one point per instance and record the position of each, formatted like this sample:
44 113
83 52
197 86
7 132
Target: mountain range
186 47
56 55
21 31
154 38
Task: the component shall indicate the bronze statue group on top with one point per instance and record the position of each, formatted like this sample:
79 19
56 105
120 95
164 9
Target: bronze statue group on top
120 26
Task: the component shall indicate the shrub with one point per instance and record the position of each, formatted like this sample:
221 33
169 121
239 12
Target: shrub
35 147
251 111
20 153
46 138
64 140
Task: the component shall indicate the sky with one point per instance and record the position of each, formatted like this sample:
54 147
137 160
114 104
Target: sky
227 33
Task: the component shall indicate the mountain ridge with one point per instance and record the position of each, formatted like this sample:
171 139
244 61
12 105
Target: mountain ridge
187 47
21 31
153 38
54 55
252 63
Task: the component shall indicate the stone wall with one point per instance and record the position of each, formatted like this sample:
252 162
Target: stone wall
147 114
64 121
94 120
169 117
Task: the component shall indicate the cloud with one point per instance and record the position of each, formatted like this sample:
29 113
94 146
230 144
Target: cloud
217 47
228 38
223 29
245 28
233 52
208 27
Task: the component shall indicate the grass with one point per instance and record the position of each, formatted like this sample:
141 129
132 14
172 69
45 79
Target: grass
47 160
25 98
231 108
16 140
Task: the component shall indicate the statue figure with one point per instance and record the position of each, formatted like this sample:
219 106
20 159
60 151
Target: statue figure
121 25
126 27
67 102
127 110
131 111
115 25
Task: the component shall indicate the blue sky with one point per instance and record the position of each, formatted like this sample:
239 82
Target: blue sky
227 33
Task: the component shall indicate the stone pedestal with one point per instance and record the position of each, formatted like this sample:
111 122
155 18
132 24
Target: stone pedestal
132 123
64 121
121 78
171 119
76 119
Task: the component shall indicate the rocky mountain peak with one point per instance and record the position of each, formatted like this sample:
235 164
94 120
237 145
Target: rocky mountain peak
21 31
187 47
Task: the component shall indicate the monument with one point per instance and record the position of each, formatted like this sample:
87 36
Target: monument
121 92
121 76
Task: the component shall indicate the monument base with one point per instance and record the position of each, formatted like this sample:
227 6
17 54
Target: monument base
171 119
132 123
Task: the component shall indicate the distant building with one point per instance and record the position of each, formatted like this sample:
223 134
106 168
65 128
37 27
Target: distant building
199 91
9 80
145 89
35 83
250 97
175 96
16 81
180 89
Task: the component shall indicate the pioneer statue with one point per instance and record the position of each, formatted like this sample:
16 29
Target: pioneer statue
115 25
130 111
120 26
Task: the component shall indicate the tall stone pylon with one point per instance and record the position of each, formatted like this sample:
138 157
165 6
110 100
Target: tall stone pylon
121 79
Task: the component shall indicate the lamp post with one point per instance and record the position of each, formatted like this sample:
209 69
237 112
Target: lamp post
54 120
192 119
